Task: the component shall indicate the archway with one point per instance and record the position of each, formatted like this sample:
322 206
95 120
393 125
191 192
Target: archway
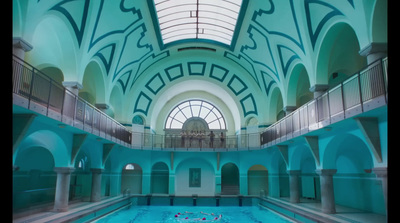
93 90
195 176
337 63
257 180
81 179
229 179
298 88
159 178
131 179
34 182
276 105
355 185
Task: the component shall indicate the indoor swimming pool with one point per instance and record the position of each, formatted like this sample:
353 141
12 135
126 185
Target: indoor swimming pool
171 214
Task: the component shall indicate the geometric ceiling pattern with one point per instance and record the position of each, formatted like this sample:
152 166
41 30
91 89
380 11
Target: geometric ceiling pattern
271 36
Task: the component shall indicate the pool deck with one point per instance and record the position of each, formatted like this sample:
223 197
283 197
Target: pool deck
343 214
79 209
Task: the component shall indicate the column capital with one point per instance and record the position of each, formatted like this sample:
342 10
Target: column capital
380 171
288 109
72 84
373 47
319 87
102 106
64 170
97 170
325 172
294 172
20 43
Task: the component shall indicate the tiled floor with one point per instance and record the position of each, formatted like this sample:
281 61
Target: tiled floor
50 216
343 214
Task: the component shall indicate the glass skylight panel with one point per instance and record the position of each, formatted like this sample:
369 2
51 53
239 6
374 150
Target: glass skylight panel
197 19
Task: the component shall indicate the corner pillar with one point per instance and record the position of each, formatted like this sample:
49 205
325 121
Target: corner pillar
62 188
327 195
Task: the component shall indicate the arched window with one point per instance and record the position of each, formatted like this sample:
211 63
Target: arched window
129 167
198 109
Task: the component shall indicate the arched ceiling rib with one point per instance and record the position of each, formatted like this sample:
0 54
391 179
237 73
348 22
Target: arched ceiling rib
274 36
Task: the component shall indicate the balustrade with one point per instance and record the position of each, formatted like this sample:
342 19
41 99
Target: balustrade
361 92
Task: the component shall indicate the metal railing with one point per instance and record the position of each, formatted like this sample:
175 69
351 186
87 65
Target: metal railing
178 143
359 93
38 92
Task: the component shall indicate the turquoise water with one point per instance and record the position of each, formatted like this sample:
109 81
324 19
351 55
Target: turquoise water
186 214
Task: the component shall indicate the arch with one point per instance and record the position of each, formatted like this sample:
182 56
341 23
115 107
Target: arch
50 141
302 159
275 105
379 22
93 89
54 43
257 180
199 90
35 181
131 179
189 110
347 153
195 176
298 86
53 72
338 54
80 179
230 179
159 178
354 184
116 101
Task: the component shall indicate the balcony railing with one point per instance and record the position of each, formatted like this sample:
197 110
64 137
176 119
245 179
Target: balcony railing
359 93
36 91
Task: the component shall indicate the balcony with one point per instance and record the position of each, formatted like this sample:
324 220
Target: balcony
363 91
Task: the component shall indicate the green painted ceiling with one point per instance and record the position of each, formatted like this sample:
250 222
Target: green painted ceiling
281 48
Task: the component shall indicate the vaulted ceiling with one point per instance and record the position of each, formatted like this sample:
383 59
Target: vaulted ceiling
280 49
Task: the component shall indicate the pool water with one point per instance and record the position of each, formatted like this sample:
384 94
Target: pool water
186 214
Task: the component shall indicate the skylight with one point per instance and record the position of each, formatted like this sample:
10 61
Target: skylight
197 19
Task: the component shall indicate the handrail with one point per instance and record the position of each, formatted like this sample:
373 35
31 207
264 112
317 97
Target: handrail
44 95
361 92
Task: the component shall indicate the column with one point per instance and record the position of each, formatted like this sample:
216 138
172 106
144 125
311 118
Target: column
327 196
294 185
374 51
96 184
319 89
62 188
20 47
72 86
381 172
289 109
